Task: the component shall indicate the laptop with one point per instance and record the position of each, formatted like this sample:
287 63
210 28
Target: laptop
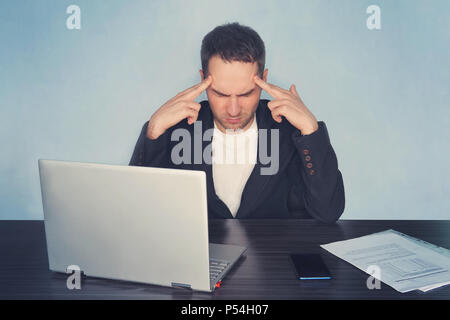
140 224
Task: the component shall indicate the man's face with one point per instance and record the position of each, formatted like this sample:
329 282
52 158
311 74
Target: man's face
233 94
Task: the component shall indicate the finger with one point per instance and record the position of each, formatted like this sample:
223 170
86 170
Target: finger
204 84
195 91
278 112
265 86
293 89
191 115
276 103
191 89
277 118
271 89
192 105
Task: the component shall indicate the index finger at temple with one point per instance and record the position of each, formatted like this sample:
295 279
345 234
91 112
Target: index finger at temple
205 83
200 87
266 86
192 91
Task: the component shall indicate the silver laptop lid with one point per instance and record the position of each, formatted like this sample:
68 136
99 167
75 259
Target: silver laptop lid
128 223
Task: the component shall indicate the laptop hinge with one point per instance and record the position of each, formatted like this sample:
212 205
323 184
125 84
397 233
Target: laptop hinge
181 285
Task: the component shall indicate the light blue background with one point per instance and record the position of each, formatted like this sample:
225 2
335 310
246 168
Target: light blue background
84 95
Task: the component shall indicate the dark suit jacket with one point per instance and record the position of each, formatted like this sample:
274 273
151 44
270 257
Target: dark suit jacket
308 183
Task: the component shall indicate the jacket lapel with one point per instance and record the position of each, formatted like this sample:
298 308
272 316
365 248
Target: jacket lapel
257 182
214 203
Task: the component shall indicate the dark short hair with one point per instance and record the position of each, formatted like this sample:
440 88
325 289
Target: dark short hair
233 42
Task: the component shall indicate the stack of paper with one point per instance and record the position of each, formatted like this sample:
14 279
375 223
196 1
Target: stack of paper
403 262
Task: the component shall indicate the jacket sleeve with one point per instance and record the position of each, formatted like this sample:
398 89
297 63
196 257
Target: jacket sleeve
151 153
324 197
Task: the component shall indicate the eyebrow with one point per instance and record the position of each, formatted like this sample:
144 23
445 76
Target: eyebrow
239 95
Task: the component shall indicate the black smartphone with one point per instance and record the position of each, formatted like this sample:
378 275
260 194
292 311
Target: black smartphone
310 267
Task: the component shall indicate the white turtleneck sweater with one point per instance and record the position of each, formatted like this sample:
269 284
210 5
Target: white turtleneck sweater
233 159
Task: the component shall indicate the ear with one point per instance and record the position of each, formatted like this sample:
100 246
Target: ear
201 74
265 75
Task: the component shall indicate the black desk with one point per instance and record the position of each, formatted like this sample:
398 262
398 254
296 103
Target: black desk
264 273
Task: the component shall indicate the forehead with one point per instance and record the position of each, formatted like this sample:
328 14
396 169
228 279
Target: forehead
232 77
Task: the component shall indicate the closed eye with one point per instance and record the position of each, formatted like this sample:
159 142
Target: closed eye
219 94
247 94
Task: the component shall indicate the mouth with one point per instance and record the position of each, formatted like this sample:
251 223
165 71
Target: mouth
233 120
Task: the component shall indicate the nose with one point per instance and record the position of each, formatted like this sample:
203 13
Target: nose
233 108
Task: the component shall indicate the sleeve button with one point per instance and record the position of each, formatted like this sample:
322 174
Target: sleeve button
309 165
308 158
305 151
311 172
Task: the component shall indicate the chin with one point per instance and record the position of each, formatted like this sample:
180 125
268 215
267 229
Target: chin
234 126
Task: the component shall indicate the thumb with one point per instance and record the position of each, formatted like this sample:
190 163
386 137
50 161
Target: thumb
192 116
293 90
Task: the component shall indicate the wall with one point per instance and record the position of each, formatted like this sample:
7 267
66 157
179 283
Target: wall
83 95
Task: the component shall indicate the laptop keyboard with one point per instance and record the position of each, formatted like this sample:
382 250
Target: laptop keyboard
216 267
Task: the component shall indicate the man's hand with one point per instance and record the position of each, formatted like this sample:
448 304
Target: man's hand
180 107
287 103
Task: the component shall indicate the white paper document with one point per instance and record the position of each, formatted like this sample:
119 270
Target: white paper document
404 263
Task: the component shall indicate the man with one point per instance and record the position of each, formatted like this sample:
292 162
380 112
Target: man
305 181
